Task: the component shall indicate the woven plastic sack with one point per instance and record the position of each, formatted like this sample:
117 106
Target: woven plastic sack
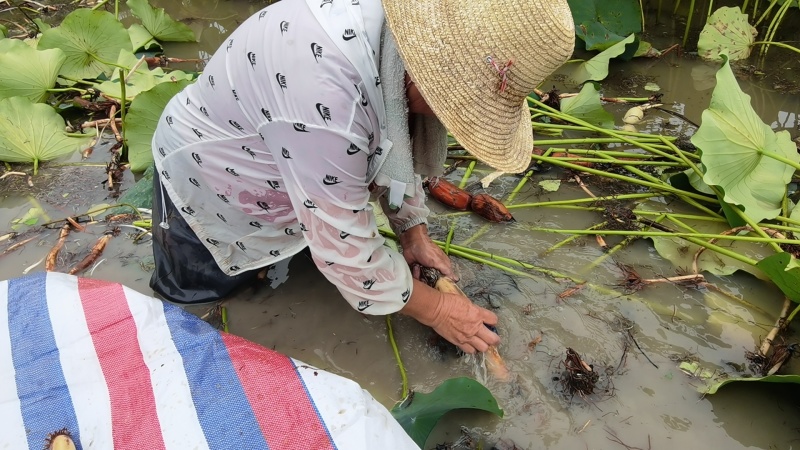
120 370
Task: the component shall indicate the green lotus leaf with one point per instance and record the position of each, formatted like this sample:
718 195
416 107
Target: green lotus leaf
727 31
597 68
160 24
27 72
142 118
794 379
735 146
784 270
420 416
586 105
89 39
603 23
141 39
33 132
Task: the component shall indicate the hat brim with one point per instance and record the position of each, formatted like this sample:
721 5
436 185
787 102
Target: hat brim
445 46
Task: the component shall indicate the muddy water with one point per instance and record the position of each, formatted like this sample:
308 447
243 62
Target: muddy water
643 400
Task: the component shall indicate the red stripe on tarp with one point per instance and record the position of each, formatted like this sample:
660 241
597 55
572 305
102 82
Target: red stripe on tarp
134 418
277 396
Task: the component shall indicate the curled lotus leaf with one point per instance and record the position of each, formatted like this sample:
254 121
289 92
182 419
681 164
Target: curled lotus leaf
726 32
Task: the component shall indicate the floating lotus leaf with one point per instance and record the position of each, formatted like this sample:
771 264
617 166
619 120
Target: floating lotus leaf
141 39
142 118
586 106
784 270
89 39
734 144
603 23
727 31
794 379
160 24
27 72
420 416
143 79
597 68
33 132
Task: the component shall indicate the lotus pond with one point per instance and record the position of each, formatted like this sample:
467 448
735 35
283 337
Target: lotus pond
645 292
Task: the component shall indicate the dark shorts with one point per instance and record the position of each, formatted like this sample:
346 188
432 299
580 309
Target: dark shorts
185 271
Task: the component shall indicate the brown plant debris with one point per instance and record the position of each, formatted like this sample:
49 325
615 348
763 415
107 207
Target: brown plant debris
578 376
762 365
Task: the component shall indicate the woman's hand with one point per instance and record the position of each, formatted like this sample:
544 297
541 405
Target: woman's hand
419 248
454 317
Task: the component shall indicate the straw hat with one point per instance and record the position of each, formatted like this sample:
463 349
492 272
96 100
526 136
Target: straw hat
458 53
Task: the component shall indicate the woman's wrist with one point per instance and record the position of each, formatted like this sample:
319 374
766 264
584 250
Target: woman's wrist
424 305
416 232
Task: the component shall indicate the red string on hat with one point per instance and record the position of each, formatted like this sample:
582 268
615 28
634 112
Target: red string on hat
502 71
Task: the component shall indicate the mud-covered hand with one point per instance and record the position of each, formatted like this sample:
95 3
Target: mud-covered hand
419 248
463 323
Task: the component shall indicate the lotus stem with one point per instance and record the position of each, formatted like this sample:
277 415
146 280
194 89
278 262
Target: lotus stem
670 234
572 238
396 351
519 187
710 8
791 316
765 14
590 153
659 185
773 27
780 158
452 230
544 142
688 23
617 161
607 254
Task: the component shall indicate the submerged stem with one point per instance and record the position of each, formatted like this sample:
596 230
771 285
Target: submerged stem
396 351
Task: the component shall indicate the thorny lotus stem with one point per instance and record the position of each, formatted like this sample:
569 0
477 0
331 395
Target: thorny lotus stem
558 126
688 23
613 250
519 187
669 234
682 195
543 142
650 184
572 238
765 14
396 351
791 316
546 110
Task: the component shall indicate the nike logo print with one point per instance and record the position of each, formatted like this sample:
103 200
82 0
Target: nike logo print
165 174
348 34
213 242
231 171
363 305
197 159
330 180
241 246
274 185
223 198
406 295
301 127
289 232
309 204
194 182
222 218
255 224
316 50
236 125
249 151
324 112
275 253
188 210
353 149
343 235
285 153
252 58
368 284
263 205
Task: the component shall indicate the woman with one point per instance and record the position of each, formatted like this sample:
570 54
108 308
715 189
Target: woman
300 117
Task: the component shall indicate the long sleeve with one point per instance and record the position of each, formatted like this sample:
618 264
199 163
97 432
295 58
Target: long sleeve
411 212
325 176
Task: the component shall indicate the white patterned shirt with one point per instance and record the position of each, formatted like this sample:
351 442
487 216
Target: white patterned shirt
274 148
